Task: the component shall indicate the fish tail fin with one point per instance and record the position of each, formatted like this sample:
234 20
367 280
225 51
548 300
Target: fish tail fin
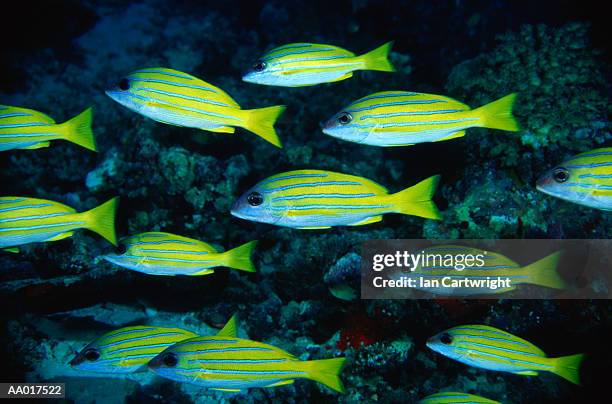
261 122
101 220
327 372
568 367
78 130
498 114
378 59
416 200
240 257
544 272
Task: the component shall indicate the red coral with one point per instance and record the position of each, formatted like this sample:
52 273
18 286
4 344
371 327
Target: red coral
362 330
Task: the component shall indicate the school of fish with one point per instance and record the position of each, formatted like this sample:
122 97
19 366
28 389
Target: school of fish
301 199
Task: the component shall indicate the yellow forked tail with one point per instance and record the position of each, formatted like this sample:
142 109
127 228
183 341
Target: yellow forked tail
102 220
568 367
544 272
327 372
261 122
378 59
78 130
240 257
498 114
416 200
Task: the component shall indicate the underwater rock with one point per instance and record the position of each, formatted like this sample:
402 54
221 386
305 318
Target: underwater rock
343 278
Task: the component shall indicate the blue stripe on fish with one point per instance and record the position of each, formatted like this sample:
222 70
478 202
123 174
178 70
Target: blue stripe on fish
311 184
296 52
186 97
144 337
392 114
12 219
167 259
505 358
166 73
173 251
304 196
43 226
309 207
172 83
390 104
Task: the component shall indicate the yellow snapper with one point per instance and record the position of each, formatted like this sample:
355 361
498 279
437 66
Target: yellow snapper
158 253
400 118
308 64
585 179
233 364
129 349
180 99
316 199
489 348
438 266
452 397
22 128
29 220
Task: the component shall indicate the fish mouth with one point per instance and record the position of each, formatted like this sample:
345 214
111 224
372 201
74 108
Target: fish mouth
77 360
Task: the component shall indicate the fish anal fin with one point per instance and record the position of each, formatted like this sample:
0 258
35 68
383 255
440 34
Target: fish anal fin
35 146
13 250
221 129
527 373
61 236
343 77
371 219
227 390
453 135
281 383
206 271
314 227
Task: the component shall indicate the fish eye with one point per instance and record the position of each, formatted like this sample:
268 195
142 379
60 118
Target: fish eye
255 199
561 174
170 360
446 338
344 118
259 66
124 84
91 354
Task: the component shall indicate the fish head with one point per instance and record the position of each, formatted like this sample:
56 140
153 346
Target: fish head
96 357
264 72
560 182
445 343
134 91
125 253
171 363
343 125
256 205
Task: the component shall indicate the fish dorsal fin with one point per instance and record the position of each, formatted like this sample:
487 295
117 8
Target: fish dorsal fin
196 87
230 329
10 114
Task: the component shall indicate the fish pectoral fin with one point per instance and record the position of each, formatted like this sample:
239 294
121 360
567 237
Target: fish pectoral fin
221 129
527 373
313 227
371 219
61 236
227 390
206 271
343 77
281 383
13 250
39 145
453 135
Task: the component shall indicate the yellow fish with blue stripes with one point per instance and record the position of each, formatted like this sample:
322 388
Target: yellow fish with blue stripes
176 98
489 348
452 397
158 253
22 128
317 199
585 179
234 364
308 64
129 349
443 264
30 220
401 118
